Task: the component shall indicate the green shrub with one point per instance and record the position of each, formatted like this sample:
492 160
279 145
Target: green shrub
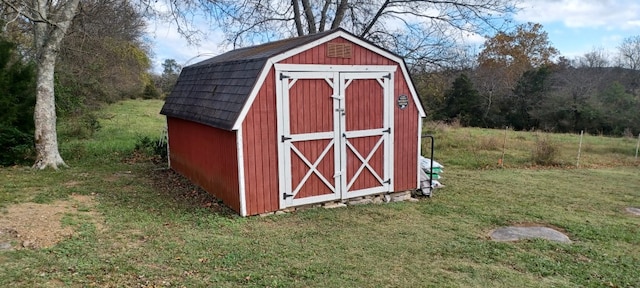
156 148
18 146
150 92
83 127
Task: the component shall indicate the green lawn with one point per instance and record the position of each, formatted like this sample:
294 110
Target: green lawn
156 230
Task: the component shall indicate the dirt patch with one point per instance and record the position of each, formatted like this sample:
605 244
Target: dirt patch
32 225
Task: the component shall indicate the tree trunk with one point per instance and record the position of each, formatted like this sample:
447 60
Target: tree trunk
48 35
46 138
296 17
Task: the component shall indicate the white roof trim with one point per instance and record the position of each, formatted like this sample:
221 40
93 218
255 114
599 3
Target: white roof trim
275 59
253 95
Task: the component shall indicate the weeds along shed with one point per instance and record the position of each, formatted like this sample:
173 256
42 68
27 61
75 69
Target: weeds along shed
319 118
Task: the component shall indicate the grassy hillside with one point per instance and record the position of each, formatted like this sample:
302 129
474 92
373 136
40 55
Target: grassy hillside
147 227
472 148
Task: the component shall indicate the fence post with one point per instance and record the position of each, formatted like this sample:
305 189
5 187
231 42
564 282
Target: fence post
579 149
504 145
637 146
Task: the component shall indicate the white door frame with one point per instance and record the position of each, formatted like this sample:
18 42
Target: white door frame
336 76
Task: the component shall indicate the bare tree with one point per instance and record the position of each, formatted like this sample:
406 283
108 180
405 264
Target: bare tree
629 53
422 31
104 56
597 58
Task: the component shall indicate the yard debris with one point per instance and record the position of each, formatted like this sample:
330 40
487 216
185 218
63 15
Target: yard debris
427 172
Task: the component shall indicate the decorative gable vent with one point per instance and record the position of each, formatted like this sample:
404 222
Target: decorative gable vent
339 50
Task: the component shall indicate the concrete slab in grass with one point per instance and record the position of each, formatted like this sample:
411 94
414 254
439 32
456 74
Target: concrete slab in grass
633 210
515 233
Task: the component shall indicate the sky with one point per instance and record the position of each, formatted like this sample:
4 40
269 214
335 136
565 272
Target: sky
574 27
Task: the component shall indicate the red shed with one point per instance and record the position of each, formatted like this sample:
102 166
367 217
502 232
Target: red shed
320 118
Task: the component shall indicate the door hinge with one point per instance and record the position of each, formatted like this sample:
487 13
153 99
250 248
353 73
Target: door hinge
388 76
285 196
388 181
282 76
284 138
388 130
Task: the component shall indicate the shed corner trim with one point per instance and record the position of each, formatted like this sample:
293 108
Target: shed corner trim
241 188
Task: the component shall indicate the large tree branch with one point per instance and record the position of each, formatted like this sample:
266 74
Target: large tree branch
341 9
296 17
323 15
34 15
375 18
308 12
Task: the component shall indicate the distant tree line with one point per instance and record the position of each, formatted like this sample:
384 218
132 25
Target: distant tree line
518 80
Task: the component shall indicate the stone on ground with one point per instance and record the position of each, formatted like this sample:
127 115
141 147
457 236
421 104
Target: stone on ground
514 233
634 210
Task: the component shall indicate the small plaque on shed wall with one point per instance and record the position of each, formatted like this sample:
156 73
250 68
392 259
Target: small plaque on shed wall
403 101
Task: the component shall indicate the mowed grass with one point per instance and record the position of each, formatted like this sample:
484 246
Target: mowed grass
156 233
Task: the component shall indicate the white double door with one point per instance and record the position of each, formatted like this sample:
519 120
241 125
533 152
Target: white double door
335 132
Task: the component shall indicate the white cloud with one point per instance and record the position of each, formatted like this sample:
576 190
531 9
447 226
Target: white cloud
168 43
609 14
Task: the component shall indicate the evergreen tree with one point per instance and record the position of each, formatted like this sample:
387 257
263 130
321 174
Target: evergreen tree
17 100
527 97
463 102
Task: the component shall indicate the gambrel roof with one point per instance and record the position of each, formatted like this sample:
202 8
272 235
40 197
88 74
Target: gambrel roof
217 91
214 91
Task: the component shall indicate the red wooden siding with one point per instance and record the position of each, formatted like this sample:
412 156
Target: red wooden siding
261 151
311 106
318 55
405 138
207 156
364 105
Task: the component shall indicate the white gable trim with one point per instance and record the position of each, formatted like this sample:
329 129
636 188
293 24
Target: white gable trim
252 97
275 59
